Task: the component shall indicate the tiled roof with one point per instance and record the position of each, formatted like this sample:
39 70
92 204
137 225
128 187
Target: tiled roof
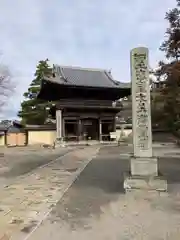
4 126
78 76
41 127
12 127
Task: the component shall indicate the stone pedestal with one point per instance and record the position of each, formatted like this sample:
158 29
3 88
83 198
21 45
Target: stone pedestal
144 166
148 183
144 175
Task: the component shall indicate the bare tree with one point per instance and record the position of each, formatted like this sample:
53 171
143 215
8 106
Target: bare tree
6 85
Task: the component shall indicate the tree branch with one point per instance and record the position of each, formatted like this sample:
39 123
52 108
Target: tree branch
6 85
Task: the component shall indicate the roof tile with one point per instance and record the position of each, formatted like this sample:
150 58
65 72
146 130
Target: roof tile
78 76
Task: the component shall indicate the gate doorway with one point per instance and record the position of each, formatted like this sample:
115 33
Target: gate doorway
16 137
90 128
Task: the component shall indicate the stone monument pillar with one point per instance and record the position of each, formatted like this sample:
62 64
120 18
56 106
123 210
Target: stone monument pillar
100 130
79 130
58 124
144 167
59 128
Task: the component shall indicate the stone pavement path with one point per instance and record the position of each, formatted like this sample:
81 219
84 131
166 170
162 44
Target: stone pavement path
95 207
25 203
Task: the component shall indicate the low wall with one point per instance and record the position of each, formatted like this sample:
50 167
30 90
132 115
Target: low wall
158 135
2 140
41 137
126 132
116 135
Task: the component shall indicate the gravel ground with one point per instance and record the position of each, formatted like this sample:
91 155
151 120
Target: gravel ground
96 206
25 203
21 160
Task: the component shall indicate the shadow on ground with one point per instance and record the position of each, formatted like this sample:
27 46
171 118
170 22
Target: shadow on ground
170 169
105 173
99 184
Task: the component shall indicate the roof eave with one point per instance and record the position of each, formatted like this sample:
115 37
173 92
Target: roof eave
55 80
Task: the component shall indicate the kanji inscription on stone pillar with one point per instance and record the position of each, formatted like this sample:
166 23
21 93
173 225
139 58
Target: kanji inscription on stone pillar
141 107
58 124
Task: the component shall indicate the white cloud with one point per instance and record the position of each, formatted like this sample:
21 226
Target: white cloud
94 33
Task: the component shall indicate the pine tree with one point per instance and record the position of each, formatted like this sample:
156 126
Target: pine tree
33 110
169 71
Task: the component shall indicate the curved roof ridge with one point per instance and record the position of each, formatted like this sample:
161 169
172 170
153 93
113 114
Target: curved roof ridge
109 75
83 68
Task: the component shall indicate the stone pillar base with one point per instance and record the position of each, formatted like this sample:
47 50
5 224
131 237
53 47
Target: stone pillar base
144 166
144 175
147 183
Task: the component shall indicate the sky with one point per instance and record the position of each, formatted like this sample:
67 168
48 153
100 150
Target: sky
86 33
